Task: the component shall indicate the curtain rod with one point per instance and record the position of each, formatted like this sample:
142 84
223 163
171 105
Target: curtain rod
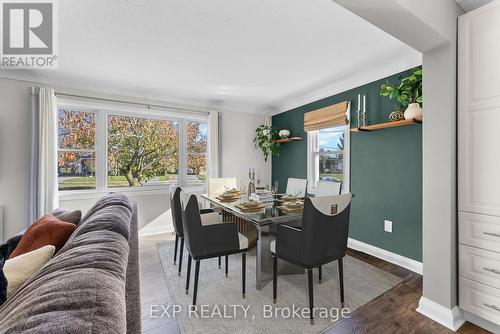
149 106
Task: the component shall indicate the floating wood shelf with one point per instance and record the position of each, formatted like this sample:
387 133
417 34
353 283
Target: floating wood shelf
387 125
287 140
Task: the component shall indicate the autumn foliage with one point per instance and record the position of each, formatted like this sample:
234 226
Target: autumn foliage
138 148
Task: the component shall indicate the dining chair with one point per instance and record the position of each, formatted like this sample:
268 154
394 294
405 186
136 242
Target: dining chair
327 188
209 217
296 187
217 186
321 239
209 241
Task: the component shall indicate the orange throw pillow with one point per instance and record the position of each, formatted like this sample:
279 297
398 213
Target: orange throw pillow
47 230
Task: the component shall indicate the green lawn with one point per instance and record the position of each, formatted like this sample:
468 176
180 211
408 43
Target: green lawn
338 176
88 182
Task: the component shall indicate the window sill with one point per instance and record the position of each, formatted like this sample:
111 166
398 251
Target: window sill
70 195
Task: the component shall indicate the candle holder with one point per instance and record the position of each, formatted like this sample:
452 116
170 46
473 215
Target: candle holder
361 114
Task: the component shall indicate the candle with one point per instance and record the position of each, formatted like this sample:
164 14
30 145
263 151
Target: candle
359 103
364 103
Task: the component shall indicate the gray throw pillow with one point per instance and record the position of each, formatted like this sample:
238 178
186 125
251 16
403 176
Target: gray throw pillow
72 217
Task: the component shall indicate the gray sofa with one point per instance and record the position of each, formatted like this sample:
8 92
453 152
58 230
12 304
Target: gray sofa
91 285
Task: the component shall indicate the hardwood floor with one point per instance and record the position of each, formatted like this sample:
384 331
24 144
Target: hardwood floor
154 290
392 312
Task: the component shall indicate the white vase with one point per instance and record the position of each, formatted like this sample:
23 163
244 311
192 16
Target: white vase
414 110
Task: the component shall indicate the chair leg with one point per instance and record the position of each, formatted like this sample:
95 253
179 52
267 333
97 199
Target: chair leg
243 272
227 265
175 248
188 276
341 280
320 274
196 274
180 255
275 278
311 295
219 262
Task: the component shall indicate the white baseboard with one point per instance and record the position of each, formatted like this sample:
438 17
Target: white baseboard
450 318
478 321
383 254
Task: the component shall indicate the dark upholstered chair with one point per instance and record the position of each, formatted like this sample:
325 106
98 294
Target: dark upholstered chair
321 239
209 241
210 217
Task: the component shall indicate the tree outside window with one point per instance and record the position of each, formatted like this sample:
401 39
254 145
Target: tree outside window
142 151
76 156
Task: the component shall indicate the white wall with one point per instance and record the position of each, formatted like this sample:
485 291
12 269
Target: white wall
237 153
238 150
14 153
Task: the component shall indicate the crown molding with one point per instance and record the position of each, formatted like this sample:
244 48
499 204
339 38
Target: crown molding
106 90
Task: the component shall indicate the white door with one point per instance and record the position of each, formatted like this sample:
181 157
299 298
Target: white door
479 111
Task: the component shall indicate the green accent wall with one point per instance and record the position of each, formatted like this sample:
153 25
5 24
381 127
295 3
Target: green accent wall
386 170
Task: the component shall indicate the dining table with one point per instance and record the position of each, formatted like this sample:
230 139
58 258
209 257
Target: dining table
266 221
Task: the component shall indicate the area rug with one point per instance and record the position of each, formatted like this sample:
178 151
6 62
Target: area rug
221 308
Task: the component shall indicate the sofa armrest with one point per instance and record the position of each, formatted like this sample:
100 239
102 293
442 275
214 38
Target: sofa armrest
132 285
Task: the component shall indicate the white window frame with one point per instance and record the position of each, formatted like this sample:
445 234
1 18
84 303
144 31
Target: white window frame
313 158
102 110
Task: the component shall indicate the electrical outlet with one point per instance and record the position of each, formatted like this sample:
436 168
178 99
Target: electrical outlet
388 226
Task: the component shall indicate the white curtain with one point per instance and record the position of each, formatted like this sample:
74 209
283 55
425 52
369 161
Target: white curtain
43 185
213 149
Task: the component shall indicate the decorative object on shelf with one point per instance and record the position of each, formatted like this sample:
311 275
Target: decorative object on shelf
396 116
361 114
251 183
414 110
284 134
265 136
364 110
408 93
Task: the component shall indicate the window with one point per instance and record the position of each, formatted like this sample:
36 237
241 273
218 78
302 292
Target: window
105 149
328 156
197 146
76 166
142 151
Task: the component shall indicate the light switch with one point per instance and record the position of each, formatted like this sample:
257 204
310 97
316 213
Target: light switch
388 226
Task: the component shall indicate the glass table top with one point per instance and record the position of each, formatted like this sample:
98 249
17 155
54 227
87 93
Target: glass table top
273 212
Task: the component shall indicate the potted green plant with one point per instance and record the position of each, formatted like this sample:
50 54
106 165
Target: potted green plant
265 136
407 93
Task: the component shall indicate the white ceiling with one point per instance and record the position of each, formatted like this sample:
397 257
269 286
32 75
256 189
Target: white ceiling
469 5
246 55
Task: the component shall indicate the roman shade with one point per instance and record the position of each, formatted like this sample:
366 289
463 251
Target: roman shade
328 117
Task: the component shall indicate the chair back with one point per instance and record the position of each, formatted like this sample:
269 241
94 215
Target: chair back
325 227
327 188
296 187
191 219
175 208
217 186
